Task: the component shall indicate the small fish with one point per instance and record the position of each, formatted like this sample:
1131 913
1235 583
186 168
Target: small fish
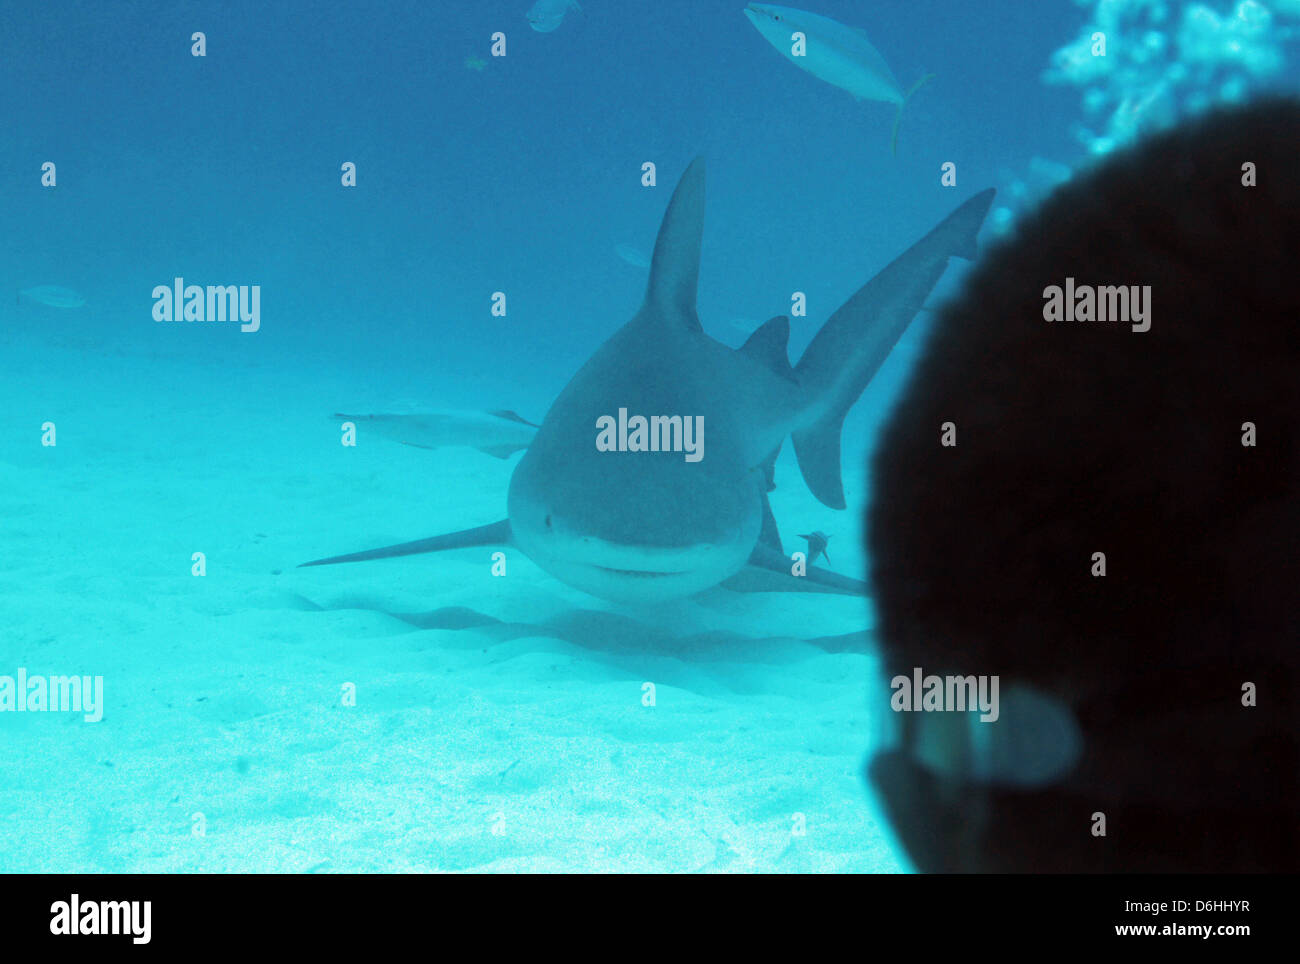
475 63
546 15
631 255
833 52
817 541
52 296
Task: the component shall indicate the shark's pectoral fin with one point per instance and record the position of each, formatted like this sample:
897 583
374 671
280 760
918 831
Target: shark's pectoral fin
496 534
849 349
769 571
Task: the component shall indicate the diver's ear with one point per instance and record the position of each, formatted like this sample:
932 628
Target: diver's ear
1026 740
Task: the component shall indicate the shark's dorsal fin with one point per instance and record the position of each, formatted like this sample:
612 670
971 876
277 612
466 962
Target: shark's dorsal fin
769 344
675 267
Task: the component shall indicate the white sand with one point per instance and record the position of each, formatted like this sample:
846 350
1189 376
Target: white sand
499 722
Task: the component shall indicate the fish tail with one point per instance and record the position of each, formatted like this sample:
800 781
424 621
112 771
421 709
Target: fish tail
893 137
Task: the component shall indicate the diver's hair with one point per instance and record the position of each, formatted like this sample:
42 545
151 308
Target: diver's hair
1075 438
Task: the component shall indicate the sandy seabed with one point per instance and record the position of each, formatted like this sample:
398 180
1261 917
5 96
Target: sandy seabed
499 722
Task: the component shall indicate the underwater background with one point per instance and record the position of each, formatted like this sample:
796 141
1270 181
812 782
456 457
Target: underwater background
499 722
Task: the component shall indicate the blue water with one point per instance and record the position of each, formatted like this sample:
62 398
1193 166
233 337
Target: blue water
498 723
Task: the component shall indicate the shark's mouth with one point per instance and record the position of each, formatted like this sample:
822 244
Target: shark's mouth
631 585
633 573
640 573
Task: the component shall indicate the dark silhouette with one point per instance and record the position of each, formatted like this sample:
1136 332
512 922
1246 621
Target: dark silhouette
1075 438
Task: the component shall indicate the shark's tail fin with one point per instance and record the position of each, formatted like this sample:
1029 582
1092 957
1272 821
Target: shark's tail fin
893 135
855 341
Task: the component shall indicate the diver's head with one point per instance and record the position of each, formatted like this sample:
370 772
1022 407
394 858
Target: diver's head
1114 535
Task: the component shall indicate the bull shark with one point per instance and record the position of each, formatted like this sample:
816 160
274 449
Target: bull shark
647 525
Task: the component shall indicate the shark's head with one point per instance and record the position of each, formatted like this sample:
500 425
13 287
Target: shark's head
630 525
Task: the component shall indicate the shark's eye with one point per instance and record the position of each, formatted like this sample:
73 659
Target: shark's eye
548 522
